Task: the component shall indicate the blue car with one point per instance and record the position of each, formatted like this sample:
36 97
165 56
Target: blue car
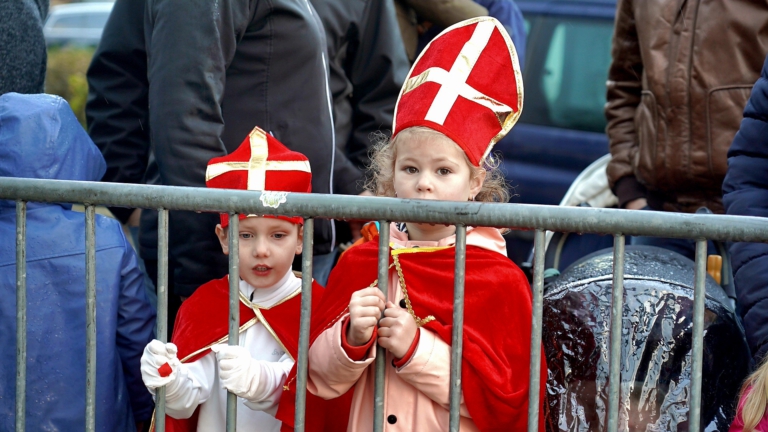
562 128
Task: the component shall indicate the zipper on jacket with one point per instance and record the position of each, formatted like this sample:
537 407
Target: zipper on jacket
330 114
679 23
688 171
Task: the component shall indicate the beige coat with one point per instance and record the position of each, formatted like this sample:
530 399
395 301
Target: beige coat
416 395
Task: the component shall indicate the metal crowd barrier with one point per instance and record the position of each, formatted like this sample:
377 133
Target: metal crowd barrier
528 217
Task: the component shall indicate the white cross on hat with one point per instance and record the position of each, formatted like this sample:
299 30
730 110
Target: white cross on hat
258 165
454 82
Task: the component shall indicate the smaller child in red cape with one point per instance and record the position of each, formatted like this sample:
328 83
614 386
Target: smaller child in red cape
463 94
198 368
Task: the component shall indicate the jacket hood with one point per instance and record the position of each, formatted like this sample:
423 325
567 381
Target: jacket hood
41 138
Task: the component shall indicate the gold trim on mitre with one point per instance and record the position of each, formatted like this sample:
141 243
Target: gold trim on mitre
258 165
463 65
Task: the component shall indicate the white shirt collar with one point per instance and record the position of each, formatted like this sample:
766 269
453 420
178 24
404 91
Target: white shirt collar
266 297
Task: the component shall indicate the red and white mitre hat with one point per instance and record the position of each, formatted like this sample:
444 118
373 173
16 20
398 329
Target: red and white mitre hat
261 163
466 84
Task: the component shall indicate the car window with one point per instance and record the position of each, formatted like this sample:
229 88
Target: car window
68 21
566 84
96 20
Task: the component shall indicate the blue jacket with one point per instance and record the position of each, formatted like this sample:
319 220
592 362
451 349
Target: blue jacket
41 138
508 14
745 192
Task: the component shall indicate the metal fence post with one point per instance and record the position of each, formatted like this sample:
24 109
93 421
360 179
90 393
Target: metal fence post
162 306
381 353
234 307
306 311
457 341
90 318
534 383
21 315
694 415
617 307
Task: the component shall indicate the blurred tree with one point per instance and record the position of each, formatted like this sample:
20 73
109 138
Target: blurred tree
66 76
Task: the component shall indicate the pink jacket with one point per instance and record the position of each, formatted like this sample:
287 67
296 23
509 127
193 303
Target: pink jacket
416 394
738 423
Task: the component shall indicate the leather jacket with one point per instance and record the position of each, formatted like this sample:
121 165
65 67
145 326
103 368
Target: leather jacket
681 75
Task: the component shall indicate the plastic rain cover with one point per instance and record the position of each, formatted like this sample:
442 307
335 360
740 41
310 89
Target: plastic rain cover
655 347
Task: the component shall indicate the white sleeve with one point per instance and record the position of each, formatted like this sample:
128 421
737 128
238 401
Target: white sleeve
191 388
266 396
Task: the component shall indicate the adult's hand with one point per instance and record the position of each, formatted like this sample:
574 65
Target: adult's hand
637 204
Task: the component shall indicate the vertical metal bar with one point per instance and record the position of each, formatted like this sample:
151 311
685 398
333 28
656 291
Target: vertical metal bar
381 353
90 318
21 315
694 418
617 306
457 341
234 307
306 311
162 306
534 383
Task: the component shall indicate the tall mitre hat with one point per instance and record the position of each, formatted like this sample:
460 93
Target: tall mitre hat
261 163
466 84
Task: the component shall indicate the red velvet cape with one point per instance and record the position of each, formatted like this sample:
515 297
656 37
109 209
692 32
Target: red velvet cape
497 322
203 319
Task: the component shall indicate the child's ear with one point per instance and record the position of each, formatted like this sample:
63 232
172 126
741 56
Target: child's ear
476 183
300 240
221 233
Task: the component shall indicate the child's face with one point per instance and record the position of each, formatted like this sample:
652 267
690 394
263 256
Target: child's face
267 248
432 166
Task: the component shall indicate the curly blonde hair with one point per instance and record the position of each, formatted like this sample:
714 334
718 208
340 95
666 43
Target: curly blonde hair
382 168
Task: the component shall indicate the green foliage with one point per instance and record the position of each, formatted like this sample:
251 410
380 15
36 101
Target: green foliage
66 76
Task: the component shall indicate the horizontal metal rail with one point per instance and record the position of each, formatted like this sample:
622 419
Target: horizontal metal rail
619 223
519 216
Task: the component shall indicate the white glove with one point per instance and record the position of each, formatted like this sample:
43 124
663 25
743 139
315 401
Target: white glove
156 355
239 373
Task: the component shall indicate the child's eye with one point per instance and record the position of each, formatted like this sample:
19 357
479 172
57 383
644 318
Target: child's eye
246 236
278 236
410 170
443 171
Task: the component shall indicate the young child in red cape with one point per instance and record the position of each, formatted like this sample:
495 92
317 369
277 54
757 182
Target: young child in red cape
198 367
463 94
